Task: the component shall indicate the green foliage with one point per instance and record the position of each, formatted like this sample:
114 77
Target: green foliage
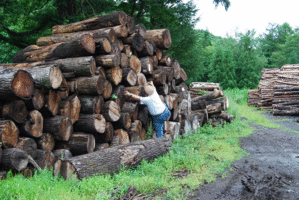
149 132
114 96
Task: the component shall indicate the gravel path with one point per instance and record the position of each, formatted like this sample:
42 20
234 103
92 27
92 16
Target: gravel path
270 172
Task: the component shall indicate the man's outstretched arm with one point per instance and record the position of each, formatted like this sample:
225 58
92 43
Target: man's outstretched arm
135 97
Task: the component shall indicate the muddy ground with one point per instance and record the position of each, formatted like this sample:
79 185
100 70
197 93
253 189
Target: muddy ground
270 172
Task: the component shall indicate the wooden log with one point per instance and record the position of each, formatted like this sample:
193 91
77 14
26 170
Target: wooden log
120 137
95 124
159 54
111 111
108 60
137 90
177 69
124 60
127 50
121 31
294 112
135 131
172 128
15 82
131 24
14 158
114 75
171 100
28 145
205 85
163 90
172 86
208 97
135 40
108 90
224 102
63 90
46 142
214 108
154 60
143 114
62 154
111 159
204 112
124 122
141 80
103 45
135 64
9 134
118 95
224 115
15 110
101 72
198 105
45 159
81 143
140 28
158 77
129 77
100 147
131 108
148 50
165 60
3 175
83 46
33 126
169 71
109 132
52 102
37 101
147 67
195 121
161 37
183 77
114 19
65 108
91 104
60 127
216 122
75 107
90 85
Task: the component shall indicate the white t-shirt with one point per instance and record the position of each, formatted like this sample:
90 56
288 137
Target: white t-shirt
154 103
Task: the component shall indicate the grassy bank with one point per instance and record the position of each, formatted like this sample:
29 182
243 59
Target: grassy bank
192 160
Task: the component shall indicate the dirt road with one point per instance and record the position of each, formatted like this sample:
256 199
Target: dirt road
270 172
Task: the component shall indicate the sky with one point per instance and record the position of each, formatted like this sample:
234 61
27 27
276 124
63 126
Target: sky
246 15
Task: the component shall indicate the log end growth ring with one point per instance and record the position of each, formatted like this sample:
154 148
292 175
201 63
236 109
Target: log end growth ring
100 123
89 43
56 77
23 84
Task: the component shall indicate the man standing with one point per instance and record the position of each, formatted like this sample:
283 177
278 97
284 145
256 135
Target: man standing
156 107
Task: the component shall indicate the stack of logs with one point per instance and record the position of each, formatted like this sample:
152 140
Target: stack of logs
64 97
209 102
278 90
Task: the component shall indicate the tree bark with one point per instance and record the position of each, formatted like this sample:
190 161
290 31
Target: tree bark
114 19
91 104
60 127
100 71
159 54
95 124
135 40
183 77
111 111
135 64
100 147
14 158
83 46
140 28
205 85
108 60
45 159
129 77
81 143
169 71
163 90
121 31
147 67
127 50
209 97
113 158
155 61
131 24
9 134
28 145
15 82
124 122
46 142
114 75
214 108
15 110
177 69
158 77
171 100
148 50
90 85
33 126
135 131
109 132
143 114
224 102
161 37
131 108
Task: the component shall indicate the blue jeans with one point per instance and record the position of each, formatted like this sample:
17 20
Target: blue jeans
159 121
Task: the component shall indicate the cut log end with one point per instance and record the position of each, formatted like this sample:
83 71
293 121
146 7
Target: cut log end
100 123
66 127
88 43
23 84
56 77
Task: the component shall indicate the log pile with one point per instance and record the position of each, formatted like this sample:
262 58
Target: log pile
208 104
278 90
64 97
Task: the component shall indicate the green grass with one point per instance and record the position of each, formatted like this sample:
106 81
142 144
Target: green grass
204 154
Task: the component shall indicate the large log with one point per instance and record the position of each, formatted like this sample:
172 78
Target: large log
124 60
135 131
129 77
214 108
293 112
161 37
101 72
108 90
112 159
15 110
146 65
75 107
114 19
135 40
114 75
166 60
183 77
171 100
169 71
143 114
137 90
37 101
131 108
224 102
205 85
108 60
33 126
131 24
155 61
60 127
46 142
124 122
118 95
83 46
102 146
127 50
135 64
9 134
90 85
172 128
15 82
163 90
45 159
28 145
224 115
208 97
14 158
177 69
140 28
111 111
81 143
158 77
103 46
95 123
148 50
121 30
120 137
141 80
63 91
52 102
46 74
91 104
109 132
